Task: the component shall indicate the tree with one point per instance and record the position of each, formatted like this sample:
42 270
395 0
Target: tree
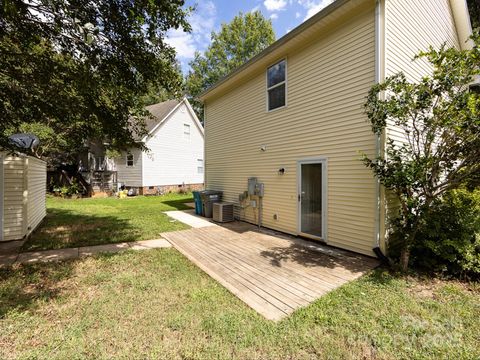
474 9
238 41
71 71
440 118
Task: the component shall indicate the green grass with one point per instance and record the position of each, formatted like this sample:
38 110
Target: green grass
85 222
156 304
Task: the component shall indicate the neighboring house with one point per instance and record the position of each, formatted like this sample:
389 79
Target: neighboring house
23 182
97 169
175 158
293 117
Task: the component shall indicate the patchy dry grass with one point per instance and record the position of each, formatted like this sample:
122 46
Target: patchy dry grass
85 222
156 304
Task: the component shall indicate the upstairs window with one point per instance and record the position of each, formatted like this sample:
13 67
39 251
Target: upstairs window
129 160
186 131
200 166
276 85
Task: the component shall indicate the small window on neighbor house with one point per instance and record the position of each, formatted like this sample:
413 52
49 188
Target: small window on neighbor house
276 85
129 160
200 166
186 131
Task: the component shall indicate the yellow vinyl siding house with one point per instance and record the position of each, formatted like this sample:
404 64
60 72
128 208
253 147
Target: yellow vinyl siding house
306 148
23 182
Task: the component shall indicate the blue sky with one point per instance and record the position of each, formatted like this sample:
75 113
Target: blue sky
210 14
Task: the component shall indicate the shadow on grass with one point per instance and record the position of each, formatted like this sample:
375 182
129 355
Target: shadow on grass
25 287
65 228
179 204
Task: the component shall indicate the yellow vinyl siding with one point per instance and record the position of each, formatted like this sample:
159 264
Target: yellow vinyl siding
328 77
24 191
412 26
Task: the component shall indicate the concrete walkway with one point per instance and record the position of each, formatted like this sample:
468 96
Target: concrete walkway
10 252
11 258
188 217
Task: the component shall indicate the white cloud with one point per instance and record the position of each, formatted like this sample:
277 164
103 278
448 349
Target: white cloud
314 7
297 15
202 21
256 8
274 16
275 5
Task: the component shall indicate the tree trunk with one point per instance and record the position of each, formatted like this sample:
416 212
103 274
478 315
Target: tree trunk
404 259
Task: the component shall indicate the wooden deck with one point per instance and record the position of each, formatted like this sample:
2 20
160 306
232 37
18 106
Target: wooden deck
273 273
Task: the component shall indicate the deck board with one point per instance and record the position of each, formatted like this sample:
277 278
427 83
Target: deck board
272 273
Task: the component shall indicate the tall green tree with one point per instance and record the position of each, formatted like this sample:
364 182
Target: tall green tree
474 9
236 42
440 119
77 70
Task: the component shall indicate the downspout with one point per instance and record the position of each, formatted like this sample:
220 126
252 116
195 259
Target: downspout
379 77
205 145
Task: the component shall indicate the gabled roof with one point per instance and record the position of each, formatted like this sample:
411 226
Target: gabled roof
305 29
159 112
298 31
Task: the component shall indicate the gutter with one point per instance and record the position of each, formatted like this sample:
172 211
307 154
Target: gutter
277 44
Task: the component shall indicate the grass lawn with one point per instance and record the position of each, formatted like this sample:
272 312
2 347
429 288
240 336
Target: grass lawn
84 222
156 304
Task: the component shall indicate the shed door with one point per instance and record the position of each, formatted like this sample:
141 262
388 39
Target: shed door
311 198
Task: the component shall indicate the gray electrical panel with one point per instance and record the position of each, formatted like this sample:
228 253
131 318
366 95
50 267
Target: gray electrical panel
252 184
259 189
255 188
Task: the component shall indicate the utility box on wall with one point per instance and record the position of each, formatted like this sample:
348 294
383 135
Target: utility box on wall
255 188
252 183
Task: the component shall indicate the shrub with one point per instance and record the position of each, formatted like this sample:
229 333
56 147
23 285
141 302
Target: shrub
449 240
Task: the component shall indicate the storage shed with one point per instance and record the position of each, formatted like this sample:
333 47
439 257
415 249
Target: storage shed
23 181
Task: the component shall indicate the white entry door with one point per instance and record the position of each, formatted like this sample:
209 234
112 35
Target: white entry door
312 198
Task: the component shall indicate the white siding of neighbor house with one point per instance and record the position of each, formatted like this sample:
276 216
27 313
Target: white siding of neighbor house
129 175
328 77
173 158
37 186
24 191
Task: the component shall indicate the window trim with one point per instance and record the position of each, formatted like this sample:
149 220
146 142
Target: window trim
185 135
314 160
133 160
276 85
201 167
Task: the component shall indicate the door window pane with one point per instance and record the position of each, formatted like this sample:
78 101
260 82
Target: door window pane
311 199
